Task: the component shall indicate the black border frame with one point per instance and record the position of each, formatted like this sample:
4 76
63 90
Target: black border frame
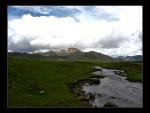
74 2
3 53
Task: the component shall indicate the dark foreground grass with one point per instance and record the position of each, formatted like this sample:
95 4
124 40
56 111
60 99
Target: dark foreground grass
27 78
35 83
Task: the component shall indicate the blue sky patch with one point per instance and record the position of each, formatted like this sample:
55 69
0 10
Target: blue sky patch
14 12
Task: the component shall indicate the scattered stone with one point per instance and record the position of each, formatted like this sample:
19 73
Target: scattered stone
97 76
84 98
91 97
77 92
42 92
112 97
120 73
96 69
95 106
100 95
94 81
110 104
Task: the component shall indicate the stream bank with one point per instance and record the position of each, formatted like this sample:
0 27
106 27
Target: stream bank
109 89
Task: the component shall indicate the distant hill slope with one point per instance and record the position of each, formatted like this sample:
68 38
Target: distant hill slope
131 58
69 54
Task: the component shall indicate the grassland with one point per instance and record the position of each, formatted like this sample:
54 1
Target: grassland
42 83
132 69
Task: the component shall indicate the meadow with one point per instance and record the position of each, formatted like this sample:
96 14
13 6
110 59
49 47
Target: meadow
45 83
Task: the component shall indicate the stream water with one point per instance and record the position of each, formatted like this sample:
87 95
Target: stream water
116 89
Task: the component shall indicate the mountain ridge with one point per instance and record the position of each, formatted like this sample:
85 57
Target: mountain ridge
131 58
67 54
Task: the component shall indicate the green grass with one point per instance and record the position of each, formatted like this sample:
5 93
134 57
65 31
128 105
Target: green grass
27 77
132 69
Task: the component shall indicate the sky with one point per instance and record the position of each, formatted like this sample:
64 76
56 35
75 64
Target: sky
111 30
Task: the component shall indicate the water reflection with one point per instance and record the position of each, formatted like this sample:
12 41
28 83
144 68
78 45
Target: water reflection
116 89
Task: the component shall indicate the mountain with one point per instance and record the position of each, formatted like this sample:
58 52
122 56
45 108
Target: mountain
68 54
68 51
131 58
76 54
72 50
49 53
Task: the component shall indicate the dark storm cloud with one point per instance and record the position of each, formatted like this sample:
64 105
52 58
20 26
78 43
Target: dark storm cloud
24 45
110 42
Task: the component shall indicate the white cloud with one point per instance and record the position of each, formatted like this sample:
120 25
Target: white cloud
89 33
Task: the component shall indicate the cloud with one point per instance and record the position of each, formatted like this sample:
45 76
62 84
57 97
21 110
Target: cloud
109 30
140 35
110 41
